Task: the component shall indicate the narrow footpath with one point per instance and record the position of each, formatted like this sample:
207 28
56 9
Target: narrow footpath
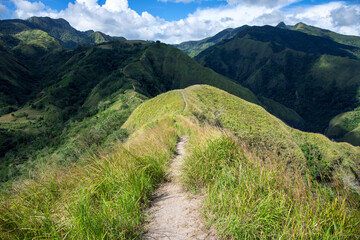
184 98
175 214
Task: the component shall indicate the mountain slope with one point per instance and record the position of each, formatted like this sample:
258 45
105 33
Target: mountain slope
15 81
340 38
316 77
59 29
246 161
193 48
73 86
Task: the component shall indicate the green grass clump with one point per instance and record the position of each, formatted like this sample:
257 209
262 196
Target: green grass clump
99 198
249 199
261 179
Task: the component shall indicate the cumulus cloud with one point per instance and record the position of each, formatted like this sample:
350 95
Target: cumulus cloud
177 1
26 9
115 17
346 15
336 16
3 11
267 3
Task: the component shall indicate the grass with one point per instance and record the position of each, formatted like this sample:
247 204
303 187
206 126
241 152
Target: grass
314 76
101 194
249 199
38 38
261 179
100 198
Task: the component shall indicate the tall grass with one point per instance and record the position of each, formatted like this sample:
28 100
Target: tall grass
261 179
101 198
247 198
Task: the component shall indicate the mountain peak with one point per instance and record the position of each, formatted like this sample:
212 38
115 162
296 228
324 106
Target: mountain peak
300 25
47 22
281 25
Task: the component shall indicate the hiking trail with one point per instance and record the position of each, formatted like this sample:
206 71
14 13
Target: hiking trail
184 98
175 212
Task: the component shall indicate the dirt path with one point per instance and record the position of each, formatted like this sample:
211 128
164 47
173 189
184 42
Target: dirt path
186 104
175 213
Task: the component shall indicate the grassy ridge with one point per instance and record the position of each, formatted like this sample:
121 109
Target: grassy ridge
265 180
343 39
193 48
262 179
249 199
101 191
170 68
100 198
316 77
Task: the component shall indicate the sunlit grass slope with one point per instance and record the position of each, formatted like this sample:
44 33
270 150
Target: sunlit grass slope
261 179
99 195
316 77
264 180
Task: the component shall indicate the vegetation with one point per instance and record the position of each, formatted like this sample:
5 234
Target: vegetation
237 154
265 180
82 149
314 76
58 29
193 48
73 86
343 39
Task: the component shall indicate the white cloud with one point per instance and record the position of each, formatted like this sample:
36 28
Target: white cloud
116 5
336 16
26 9
177 1
116 18
346 15
88 3
3 11
267 3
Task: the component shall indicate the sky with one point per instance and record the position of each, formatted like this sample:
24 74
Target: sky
175 21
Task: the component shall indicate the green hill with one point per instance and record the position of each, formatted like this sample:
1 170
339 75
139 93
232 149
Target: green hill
316 77
246 162
193 48
15 82
99 37
77 85
340 38
59 29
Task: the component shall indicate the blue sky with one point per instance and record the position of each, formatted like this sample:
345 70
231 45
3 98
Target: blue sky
174 21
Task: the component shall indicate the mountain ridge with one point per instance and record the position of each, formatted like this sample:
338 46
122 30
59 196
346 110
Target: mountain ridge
320 80
60 29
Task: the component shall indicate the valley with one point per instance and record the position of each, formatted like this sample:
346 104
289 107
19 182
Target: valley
258 125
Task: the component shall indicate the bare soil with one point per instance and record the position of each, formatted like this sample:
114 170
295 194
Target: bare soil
175 212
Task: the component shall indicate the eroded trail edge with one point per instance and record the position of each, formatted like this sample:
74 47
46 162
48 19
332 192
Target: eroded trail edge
175 212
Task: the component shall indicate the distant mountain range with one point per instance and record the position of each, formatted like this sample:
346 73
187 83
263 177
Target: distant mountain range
59 29
313 71
90 123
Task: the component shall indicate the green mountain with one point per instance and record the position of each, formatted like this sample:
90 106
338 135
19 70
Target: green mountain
79 84
99 37
59 29
193 48
241 159
316 77
343 39
89 124
16 80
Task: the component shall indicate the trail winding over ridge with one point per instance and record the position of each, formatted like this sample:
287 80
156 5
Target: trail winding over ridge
184 98
175 213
